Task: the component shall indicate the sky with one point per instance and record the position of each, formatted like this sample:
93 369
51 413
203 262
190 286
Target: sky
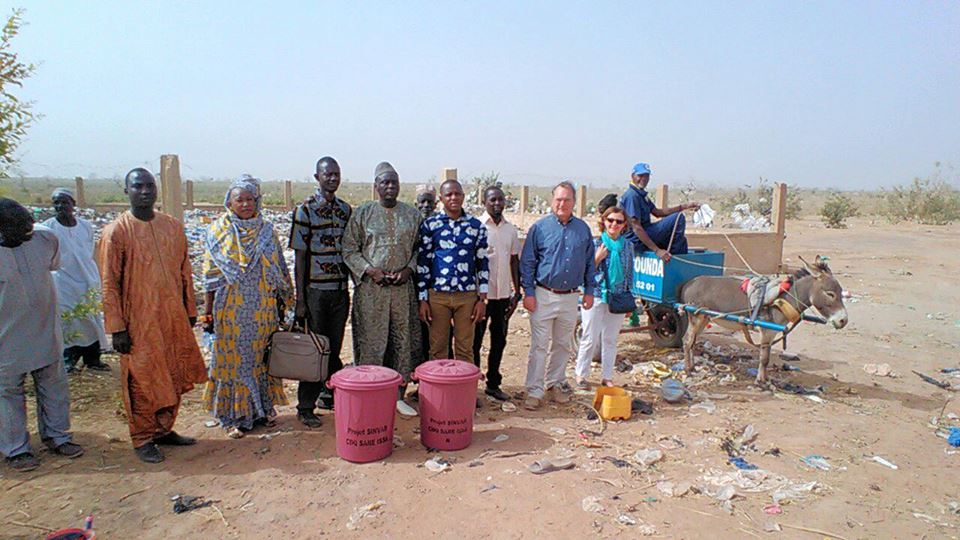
819 94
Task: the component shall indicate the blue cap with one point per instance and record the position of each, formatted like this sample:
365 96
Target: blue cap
641 168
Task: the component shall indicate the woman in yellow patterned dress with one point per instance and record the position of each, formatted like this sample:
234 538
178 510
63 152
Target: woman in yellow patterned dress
247 287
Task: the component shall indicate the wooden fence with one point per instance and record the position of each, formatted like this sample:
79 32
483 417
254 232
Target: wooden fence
762 251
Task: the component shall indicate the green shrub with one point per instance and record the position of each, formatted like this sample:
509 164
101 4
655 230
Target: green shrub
90 305
729 202
931 201
836 210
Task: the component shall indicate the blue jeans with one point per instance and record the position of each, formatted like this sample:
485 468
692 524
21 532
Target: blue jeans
660 231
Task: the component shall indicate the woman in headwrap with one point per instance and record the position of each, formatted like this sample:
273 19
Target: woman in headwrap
614 259
247 287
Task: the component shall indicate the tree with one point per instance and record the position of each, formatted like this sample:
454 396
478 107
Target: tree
481 183
16 116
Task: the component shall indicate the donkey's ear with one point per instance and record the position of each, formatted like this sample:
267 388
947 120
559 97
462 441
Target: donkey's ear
812 268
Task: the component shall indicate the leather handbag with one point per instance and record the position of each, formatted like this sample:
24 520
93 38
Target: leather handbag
298 355
620 302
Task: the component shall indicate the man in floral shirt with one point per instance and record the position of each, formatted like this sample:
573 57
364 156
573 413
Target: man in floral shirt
452 274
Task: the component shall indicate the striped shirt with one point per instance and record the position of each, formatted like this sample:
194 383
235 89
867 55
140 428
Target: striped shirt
318 230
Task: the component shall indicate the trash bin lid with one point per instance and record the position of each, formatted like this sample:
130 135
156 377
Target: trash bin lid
365 378
447 372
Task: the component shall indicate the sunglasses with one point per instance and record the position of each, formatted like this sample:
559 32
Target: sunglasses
617 221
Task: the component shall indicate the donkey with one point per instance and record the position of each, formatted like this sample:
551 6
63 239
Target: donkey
811 286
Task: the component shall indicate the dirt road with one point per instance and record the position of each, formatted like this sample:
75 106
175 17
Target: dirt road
290 484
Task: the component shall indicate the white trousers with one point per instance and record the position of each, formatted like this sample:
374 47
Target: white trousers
600 329
551 337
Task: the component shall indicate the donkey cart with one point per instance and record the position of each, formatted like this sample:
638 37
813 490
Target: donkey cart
657 285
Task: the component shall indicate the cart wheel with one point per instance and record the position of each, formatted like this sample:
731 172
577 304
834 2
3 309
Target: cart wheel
668 326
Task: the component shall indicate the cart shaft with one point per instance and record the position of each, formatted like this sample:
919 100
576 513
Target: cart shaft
735 318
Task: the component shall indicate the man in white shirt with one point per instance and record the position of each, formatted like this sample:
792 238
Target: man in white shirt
78 286
503 253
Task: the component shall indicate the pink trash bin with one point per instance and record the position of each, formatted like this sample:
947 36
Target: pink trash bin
366 398
448 397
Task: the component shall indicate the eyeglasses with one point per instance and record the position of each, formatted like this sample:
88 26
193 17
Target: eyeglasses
617 221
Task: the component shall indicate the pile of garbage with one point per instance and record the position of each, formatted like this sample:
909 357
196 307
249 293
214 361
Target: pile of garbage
744 219
195 223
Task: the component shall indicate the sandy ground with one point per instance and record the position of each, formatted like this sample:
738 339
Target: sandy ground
292 484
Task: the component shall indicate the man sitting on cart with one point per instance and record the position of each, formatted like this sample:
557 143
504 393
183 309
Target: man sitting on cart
655 236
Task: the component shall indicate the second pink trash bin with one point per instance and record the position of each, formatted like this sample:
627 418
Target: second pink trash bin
366 398
448 396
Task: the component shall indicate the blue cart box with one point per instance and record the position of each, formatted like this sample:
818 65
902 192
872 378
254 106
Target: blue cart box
660 283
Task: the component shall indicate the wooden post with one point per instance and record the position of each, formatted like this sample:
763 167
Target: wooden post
582 207
778 219
663 196
524 201
170 186
78 191
450 173
288 195
189 186
373 191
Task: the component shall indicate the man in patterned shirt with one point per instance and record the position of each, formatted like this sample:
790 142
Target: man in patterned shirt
380 249
321 277
452 274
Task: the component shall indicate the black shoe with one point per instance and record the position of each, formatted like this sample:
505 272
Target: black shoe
68 450
309 419
497 394
264 421
149 453
23 462
99 366
175 439
71 369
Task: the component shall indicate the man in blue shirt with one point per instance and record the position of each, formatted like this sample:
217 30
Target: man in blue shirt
452 274
648 236
557 260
